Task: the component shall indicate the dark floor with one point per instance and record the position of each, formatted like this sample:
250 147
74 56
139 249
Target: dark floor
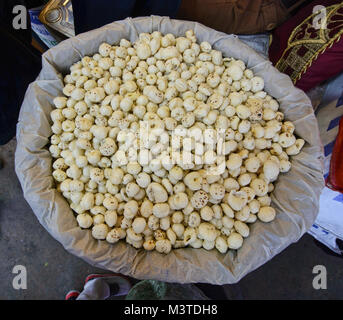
51 271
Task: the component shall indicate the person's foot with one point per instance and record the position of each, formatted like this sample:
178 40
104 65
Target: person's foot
72 295
119 284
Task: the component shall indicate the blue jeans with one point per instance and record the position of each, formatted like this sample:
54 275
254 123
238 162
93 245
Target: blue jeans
91 14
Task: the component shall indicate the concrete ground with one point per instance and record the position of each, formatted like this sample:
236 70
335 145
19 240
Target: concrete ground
52 271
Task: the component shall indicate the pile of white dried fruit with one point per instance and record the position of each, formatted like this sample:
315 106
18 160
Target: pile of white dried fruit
167 144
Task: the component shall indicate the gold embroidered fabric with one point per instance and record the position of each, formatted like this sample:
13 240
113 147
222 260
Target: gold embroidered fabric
306 43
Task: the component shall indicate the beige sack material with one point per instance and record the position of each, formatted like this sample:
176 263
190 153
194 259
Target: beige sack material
295 197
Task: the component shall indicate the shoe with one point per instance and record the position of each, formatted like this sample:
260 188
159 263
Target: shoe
72 295
119 284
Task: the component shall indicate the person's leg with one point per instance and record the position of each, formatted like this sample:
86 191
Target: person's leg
72 295
96 289
22 66
119 284
156 7
90 14
101 287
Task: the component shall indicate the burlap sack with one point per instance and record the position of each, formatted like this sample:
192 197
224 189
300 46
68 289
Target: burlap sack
295 197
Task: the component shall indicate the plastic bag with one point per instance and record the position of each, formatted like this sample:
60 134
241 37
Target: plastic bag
295 197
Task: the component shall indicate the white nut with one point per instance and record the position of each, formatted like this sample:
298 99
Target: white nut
178 201
163 246
110 203
138 224
149 245
237 199
111 218
260 187
115 235
271 170
84 220
199 199
100 231
221 244
234 241
130 209
132 235
206 213
146 208
266 214
189 236
217 191
171 235
161 210
156 193
242 228
207 231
